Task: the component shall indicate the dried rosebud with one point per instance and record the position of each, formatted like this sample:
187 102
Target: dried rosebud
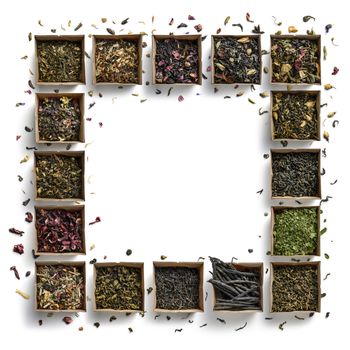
29 217
18 248
335 71
198 27
180 98
67 320
191 18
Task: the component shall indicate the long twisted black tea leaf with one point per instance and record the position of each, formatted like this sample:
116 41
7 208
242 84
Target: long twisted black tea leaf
177 288
236 60
118 288
235 289
295 288
295 174
60 61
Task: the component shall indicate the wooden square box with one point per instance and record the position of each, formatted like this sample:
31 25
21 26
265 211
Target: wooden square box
299 92
136 265
275 209
54 263
196 265
71 208
254 36
78 154
78 96
133 37
80 38
316 264
197 38
309 37
246 267
300 150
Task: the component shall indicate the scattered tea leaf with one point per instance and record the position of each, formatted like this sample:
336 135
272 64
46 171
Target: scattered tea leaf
23 294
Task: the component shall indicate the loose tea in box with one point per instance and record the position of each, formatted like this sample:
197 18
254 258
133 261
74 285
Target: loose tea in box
117 60
59 230
119 288
236 287
177 60
295 231
60 287
177 288
295 288
295 60
59 176
295 115
295 174
236 59
60 61
59 119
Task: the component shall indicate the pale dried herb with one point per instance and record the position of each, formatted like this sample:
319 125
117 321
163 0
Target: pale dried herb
60 287
60 61
295 231
295 116
295 288
59 119
295 61
118 288
237 60
59 176
117 61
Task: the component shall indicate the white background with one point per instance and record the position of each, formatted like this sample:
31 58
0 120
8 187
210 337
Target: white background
171 178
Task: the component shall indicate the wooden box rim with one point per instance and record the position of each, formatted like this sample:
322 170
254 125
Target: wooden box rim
281 207
199 266
58 38
308 263
81 209
188 37
257 36
67 263
136 37
81 155
75 95
296 36
137 265
297 150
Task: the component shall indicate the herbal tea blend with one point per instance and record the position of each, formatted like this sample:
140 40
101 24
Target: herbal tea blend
118 288
295 174
59 231
60 287
234 289
59 119
295 231
237 59
295 288
177 61
295 116
177 288
117 61
59 176
60 61
295 60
